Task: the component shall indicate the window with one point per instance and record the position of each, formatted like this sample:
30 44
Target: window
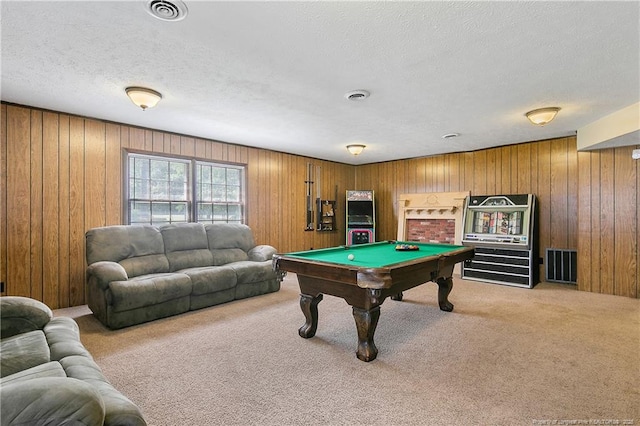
171 190
218 193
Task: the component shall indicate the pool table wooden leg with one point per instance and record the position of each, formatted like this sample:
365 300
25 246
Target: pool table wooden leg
366 323
309 306
444 288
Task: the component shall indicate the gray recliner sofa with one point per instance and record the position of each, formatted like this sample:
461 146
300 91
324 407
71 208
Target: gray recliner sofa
48 377
139 273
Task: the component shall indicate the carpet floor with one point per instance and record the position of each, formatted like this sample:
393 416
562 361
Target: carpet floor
504 356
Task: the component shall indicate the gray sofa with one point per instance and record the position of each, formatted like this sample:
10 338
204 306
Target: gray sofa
139 273
48 377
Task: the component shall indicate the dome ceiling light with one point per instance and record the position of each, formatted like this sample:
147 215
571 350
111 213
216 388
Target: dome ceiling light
542 116
356 149
143 97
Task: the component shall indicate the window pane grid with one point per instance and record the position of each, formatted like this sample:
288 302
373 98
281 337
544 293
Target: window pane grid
219 191
159 191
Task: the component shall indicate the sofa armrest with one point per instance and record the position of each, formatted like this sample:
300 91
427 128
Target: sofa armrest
21 314
261 253
105 272
119 410
50 400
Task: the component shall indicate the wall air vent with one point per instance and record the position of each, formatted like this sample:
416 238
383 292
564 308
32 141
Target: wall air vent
562 266
167 10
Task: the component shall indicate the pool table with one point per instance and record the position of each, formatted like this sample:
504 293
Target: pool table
374 272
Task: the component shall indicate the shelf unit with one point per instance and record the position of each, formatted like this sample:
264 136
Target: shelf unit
326 215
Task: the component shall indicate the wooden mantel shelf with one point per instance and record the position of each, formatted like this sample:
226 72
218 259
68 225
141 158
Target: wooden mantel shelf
431 206
431 209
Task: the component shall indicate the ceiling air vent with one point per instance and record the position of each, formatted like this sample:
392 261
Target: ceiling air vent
357 95
173 10
450 135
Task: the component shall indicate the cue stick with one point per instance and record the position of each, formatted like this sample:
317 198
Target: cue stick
318 199
308 184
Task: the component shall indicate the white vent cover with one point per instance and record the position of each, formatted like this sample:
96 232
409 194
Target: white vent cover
167 10
357 95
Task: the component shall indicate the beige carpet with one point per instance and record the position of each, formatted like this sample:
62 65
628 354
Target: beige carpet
504 356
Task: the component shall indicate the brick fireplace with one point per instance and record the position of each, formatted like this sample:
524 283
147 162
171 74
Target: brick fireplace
431 217
431 230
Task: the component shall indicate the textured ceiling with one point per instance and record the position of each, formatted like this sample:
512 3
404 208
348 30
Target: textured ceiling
273 74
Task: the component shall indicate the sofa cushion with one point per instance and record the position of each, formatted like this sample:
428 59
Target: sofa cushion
251 272
23 351
186 246
229 236
119 242
138 248
210 280
224 256
144 265
48 369
147 290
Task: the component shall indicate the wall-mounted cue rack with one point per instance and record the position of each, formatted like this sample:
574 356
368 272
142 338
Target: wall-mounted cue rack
309 190
325 210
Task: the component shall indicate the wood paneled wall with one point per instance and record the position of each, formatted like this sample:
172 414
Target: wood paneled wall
609 221
546 168
587 201
61 175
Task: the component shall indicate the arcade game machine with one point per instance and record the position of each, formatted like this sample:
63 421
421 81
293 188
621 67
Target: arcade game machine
361 217
502 230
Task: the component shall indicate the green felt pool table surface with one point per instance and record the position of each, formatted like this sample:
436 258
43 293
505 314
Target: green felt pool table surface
375 255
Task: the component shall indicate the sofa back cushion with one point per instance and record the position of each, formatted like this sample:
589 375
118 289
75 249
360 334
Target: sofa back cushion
186 246
23 351
230 235
138 248
229 242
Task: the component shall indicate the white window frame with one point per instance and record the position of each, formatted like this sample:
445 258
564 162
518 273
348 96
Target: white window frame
229 184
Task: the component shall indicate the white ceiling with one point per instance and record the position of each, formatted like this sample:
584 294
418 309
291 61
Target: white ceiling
273 74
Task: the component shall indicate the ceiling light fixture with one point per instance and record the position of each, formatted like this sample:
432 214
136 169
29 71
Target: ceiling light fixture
542 116
355 149
143 97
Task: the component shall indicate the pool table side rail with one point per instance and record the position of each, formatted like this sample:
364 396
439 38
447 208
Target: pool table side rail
311 255
375 278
